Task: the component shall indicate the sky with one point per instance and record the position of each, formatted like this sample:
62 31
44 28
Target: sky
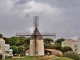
55 16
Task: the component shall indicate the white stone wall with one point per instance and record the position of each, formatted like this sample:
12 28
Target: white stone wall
32 47
39 47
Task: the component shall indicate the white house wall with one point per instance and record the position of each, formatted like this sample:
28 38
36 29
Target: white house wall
78 47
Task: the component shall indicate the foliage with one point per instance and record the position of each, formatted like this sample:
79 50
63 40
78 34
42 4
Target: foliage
18 41
48 40
0 56
57 46
20 50
1 35
72 55
15 49
18 44
49 46
59 40
66 49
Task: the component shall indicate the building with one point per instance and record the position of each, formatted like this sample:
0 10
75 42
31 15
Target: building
53 52
27 52
36 44
46 52
8 51
2 47
74 44
5 49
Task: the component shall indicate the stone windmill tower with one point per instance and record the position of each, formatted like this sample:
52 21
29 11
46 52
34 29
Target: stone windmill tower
36 41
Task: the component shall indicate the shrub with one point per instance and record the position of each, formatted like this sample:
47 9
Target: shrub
58 55
66 49
0 56
72 55
21 54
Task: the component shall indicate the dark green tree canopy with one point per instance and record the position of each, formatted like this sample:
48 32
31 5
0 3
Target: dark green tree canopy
49 46
66 49
15 49
1 35
59 40
48 40
57 46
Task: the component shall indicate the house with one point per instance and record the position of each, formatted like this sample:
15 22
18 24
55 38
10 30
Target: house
8 51
74 44
52 52
5 49
46 52
2 48
27 52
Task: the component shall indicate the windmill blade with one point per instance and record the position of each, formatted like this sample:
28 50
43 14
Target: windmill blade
48 34
23 34
36 22
51 35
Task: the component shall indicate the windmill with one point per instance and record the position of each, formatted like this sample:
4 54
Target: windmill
36 40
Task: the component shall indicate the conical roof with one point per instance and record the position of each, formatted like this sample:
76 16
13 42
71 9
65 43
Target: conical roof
36 35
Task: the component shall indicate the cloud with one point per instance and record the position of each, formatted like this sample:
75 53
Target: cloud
21 1
33 6
75 38
6 4
42 9
30 29
60 17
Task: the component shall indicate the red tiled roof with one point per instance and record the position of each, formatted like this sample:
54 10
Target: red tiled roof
27 51
52 50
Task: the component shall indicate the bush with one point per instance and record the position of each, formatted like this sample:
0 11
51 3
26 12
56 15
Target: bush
58 55
21 54
66 49
0 56
49 46
72 55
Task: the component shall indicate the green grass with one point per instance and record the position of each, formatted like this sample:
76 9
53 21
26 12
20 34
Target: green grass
63 58
37 58
24 58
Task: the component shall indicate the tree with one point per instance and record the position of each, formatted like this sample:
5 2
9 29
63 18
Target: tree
57 46
66 49
15 49
48 40
20 41
27 41
59 40
1 35
20 50
49 46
